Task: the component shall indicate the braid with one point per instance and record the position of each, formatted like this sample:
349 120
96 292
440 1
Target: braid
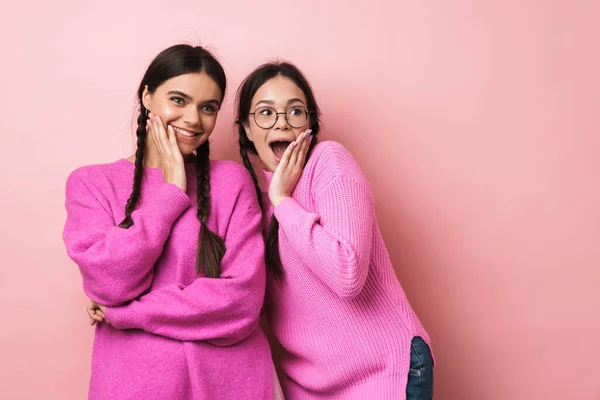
248 165
272 255
272 259
139 169
245 93
211 248
203 178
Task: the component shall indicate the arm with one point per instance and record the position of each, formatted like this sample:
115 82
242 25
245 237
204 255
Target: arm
117 264
335 242
224 310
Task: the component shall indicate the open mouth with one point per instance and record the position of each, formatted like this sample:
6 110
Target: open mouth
278 147
185 132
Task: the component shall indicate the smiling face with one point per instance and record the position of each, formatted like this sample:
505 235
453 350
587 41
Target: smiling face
189 103
281 95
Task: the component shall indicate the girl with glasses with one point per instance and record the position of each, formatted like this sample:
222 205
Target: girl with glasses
333 299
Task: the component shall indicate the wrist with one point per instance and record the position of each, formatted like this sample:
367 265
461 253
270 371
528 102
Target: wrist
275 200
180 183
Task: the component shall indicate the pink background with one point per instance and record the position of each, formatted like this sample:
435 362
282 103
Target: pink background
476 122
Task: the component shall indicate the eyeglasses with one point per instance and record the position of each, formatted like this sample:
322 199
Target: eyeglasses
266 117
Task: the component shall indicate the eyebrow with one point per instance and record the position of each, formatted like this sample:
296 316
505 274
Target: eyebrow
271 102
179 93
213 101
188 97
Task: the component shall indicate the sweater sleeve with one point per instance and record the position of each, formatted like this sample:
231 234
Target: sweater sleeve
221 310
335 241
117 264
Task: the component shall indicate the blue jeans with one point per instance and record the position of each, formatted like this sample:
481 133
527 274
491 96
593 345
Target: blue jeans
420 375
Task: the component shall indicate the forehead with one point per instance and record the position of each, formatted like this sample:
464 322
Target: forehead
197 85
279 90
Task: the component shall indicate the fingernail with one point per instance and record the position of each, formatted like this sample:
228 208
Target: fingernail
309 132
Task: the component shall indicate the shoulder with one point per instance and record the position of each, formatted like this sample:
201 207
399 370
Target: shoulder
97 175
229 172
331 148
230 178
330 160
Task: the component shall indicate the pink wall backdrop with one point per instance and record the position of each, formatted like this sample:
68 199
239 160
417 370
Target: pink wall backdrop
476 122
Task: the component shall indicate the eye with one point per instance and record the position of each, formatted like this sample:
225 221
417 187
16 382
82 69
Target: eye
295 111
265 112
209 109
178 100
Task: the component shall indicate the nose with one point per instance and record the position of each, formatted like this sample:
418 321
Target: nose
281 122
192 117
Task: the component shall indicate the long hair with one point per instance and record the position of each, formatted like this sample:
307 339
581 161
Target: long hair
174 61
244 96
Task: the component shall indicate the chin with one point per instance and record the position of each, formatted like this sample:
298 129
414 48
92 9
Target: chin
186 152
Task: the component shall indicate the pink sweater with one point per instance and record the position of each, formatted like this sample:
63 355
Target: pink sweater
174 334
339 311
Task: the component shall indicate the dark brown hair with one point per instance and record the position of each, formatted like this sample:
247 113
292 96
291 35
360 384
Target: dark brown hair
244 96
174 61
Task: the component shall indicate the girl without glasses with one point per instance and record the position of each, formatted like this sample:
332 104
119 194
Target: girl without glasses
333 300
170 249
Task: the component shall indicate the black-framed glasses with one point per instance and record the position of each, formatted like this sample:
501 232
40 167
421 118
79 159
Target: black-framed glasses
266 117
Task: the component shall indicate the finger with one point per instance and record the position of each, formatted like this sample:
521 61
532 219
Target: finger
286 155
163 135
304 150
161 127
152 131
91 313
91 307
97 318
304 143
294 155
155 135
156 131
172 137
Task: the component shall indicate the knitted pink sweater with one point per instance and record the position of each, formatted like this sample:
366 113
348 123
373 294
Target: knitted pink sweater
173 334
339 311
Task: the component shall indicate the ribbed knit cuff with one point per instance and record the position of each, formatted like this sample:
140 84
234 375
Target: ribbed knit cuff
124 317
169 203
288 210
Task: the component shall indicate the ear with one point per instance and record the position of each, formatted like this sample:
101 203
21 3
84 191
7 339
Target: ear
147 99
248 131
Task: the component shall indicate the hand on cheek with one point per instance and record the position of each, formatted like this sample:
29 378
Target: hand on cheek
172 163
288 171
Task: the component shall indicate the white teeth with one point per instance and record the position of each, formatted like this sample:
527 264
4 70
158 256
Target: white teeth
183 132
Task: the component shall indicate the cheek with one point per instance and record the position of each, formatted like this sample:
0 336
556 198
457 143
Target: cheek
209 122
259 135
168 113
